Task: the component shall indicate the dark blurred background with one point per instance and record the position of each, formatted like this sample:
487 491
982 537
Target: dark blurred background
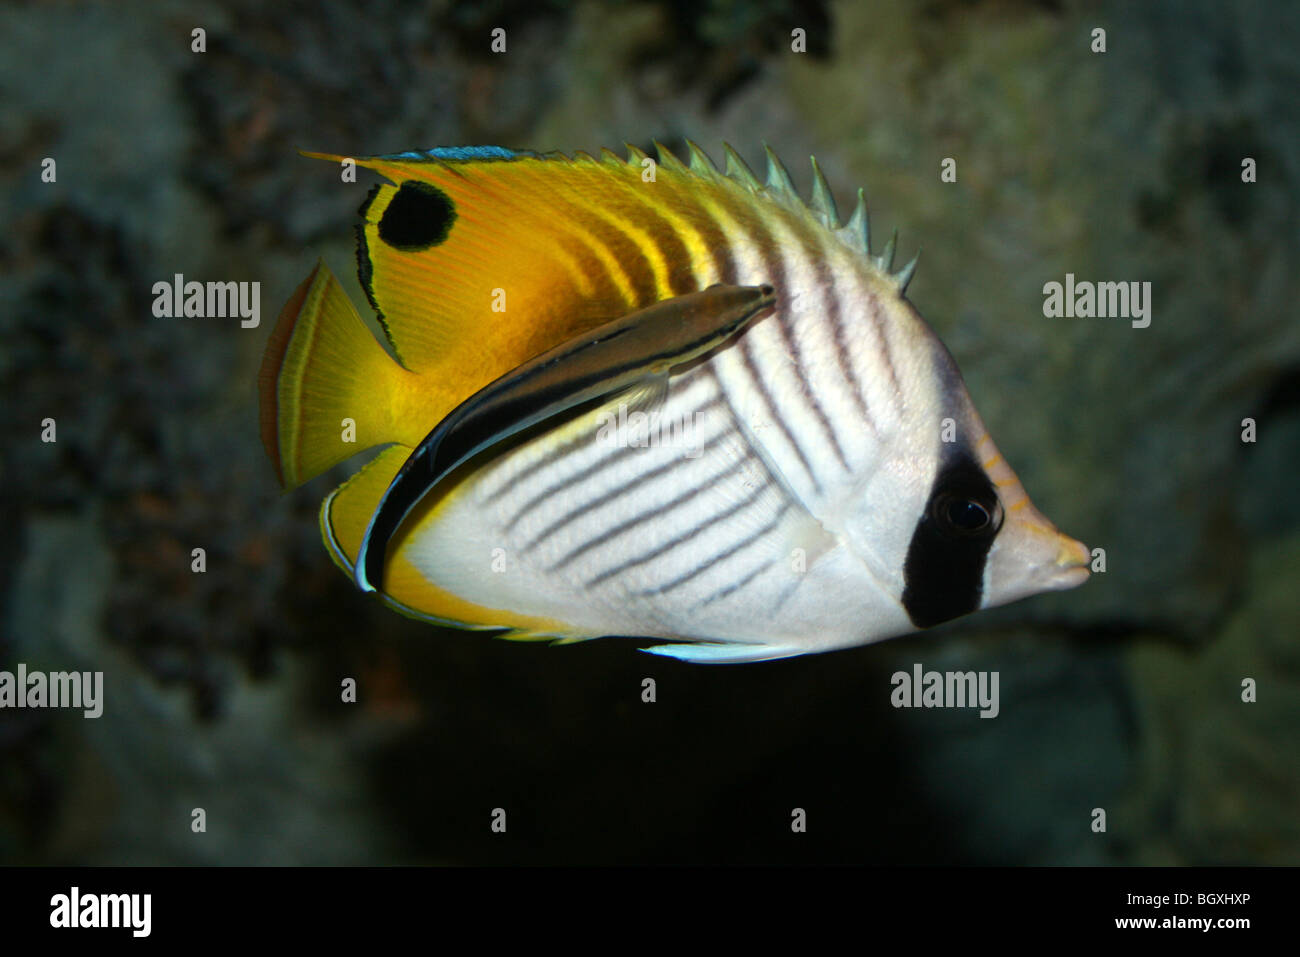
222 688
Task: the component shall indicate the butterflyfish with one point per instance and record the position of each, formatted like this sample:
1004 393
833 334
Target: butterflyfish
649 399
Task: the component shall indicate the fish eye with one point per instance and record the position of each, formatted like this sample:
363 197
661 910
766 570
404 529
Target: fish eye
964 514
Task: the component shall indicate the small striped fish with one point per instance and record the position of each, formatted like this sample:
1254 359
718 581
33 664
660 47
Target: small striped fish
652 400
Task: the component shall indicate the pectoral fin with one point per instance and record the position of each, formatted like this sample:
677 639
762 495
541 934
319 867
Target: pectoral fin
627 353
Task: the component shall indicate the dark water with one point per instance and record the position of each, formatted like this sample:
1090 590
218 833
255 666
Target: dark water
222 689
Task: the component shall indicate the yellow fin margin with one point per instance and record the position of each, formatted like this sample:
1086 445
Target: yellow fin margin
344 516
327 387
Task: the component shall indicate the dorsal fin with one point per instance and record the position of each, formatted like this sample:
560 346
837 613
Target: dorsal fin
668 161
778 180
886 259
432 285
904 275
823 203
857 231
700 162
738 170
855 234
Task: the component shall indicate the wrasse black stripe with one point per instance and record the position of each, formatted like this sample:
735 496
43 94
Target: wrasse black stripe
644 517
722 557
610 358
736 586
725 271
552 457
612 495
600 465
500 416
683 538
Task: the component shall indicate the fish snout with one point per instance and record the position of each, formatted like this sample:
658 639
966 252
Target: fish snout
1030 556
1072 561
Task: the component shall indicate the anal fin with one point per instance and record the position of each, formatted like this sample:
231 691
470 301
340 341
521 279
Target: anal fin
344 516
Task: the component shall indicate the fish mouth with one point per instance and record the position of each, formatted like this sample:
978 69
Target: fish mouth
1071 565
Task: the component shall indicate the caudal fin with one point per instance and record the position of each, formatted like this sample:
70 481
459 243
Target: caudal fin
328 389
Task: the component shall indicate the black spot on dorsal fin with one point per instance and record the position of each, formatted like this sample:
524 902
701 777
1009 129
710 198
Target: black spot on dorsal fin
418 217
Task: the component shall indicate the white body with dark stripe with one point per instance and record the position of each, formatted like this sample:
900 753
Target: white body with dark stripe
820 437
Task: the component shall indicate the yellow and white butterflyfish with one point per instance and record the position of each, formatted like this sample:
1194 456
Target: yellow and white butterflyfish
650 400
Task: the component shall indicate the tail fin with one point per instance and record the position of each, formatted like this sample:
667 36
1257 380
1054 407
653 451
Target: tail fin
328 389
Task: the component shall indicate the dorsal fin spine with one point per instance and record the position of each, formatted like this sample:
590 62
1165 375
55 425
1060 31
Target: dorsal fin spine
856 233
858 228
739 171
778 180
668 161
886 259
904 275
823 201
700 162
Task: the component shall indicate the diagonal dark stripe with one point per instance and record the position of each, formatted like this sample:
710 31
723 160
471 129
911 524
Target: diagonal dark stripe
737 585
722 557
594 468
644 517
613 494
681 539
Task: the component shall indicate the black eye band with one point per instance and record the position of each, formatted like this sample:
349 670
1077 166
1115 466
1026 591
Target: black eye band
964 506
944 571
